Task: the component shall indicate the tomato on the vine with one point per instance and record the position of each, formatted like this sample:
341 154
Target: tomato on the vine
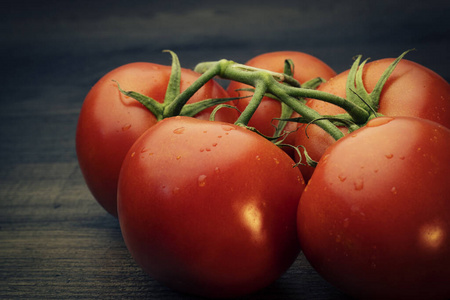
306 67
374 219
411 90
209 208
110 122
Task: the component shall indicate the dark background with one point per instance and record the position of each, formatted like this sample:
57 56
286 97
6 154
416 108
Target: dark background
55 240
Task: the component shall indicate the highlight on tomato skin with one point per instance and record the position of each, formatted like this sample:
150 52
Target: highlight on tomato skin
209 208
110 122
374 219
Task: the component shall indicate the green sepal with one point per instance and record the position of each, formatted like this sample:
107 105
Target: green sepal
313 83
191 109
376 93
311 162
212 116
174 108
173 87
151 104
356 91
361 92
286 112
351 83
270 138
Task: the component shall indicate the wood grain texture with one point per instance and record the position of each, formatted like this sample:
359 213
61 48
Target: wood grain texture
57 243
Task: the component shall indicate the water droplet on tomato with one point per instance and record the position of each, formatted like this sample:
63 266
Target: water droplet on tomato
389 155
126 127
227 127
359 184
178 157
402 157
144 150
201 180
346 222
257 157
133 154
179 130
379 121
208 149
202 149
175 190
219 136
214 144
217 170
394 190
342 178
276 160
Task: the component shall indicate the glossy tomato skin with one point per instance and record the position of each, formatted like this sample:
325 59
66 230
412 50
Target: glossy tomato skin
411 90
306 67
374 219
109 122
209 208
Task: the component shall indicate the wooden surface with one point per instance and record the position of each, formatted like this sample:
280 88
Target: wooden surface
56 242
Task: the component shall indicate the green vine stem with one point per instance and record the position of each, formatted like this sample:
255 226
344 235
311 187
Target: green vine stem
260 89
237 72
273 84
359 105
286 111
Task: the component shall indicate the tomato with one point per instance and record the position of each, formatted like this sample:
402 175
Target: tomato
411 90
374 220
109 122
306 67
209 208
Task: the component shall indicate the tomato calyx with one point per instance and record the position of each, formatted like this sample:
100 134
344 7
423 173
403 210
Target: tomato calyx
357 93
174 103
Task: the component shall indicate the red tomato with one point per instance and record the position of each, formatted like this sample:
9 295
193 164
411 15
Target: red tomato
374 219
110 122
411 90
306 67
209 208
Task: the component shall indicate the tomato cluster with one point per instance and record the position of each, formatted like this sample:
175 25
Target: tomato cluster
221 207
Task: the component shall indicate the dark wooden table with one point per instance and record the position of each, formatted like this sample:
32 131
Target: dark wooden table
56 242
